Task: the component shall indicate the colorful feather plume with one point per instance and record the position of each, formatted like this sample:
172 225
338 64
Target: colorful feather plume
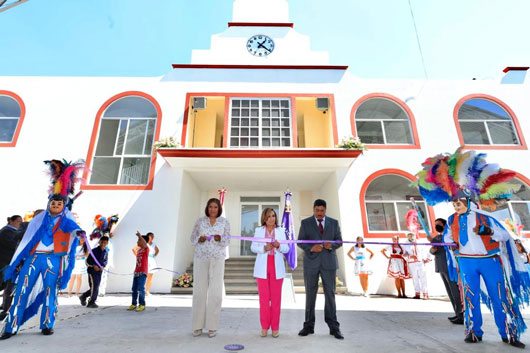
412 221
445 176
64 177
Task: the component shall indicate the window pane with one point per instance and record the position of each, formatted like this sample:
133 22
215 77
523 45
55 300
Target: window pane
7 129
380 108
522 214
131 107
135 137
474 133
9 107
391 188
523 194
502 133
403 208
482 109
150 136
135 171
105 170
370 132
121 137
107 137
397 132
381 216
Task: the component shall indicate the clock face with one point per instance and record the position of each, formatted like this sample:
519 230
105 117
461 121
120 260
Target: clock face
260 45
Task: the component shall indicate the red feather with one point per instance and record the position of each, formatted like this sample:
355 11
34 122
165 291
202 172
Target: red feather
500 177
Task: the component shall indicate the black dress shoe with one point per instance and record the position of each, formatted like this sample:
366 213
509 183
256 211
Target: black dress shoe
451 318
471 338
514 342
337 334
306 331
82 299
47 331
458 321
6 335
92 305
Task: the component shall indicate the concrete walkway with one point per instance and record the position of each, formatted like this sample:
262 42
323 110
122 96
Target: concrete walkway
376 324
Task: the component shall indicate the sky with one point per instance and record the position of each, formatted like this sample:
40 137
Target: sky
460 39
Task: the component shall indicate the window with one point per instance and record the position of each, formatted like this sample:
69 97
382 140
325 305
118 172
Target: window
124 146
251 209
517 207
260 122
387 200
11 113
381 120
484 122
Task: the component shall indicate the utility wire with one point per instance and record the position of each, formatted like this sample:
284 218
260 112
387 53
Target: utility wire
418 41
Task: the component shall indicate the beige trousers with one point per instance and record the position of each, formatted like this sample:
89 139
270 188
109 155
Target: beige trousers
208 279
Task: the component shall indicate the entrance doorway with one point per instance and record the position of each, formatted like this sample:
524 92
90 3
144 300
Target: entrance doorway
251 208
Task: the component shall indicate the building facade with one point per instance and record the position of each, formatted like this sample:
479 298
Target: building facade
258 113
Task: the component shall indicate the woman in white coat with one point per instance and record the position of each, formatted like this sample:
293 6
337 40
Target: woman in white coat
269 271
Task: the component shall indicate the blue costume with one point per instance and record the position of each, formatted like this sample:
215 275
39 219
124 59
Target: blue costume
43 272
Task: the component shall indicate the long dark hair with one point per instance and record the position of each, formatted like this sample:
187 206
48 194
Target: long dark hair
219 207
357 244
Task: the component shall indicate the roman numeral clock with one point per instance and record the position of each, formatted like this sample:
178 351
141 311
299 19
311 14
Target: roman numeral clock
260 45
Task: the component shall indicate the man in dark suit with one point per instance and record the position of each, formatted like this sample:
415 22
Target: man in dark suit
320 260
10 236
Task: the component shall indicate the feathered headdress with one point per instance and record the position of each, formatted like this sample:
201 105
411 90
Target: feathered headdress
63 177
104 226
412 221
447 177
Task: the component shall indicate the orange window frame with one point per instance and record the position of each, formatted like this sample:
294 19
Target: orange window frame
20 102
94 137
504 106
403 105
374 234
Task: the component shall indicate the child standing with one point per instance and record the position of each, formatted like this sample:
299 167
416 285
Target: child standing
98 255
140 274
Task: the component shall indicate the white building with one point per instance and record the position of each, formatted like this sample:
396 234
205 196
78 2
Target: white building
257 113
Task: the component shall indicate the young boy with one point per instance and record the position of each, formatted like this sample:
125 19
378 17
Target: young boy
95 271
140 274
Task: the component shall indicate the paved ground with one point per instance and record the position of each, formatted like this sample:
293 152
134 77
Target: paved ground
376 324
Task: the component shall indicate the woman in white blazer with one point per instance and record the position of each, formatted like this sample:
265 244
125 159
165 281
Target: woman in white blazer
269 270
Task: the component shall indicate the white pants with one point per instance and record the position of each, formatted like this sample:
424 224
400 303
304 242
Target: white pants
417 270
208 278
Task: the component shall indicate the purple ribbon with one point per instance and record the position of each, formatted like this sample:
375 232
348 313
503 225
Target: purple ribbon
266 240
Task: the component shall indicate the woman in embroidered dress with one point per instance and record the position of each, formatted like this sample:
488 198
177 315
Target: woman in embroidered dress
209 238
362 264
397 265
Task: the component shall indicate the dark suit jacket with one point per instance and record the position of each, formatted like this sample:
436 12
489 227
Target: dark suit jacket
9 239
327 259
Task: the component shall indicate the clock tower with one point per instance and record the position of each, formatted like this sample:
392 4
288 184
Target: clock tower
260 34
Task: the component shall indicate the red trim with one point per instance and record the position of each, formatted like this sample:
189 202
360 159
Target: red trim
415 138
265 67
367 182
292 96
20 102
259 24
93 139
510 112
515 68
261 153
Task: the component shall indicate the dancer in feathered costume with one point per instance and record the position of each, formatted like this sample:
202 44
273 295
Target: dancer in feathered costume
484 248
46 254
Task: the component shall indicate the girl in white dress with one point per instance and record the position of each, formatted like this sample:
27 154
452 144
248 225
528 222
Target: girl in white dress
81 253
362 263
397 265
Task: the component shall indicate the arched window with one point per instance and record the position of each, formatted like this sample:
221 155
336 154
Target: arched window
381 119
123 153
517 207
385 201
11 117
486 121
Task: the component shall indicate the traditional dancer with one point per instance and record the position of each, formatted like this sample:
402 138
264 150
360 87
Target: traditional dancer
416 260
484 248
46 254
362 263
397 265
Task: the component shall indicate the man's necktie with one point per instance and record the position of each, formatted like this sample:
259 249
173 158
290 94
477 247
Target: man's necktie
320 228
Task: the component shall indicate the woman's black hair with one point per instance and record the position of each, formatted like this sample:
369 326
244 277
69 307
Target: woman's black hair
219 207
